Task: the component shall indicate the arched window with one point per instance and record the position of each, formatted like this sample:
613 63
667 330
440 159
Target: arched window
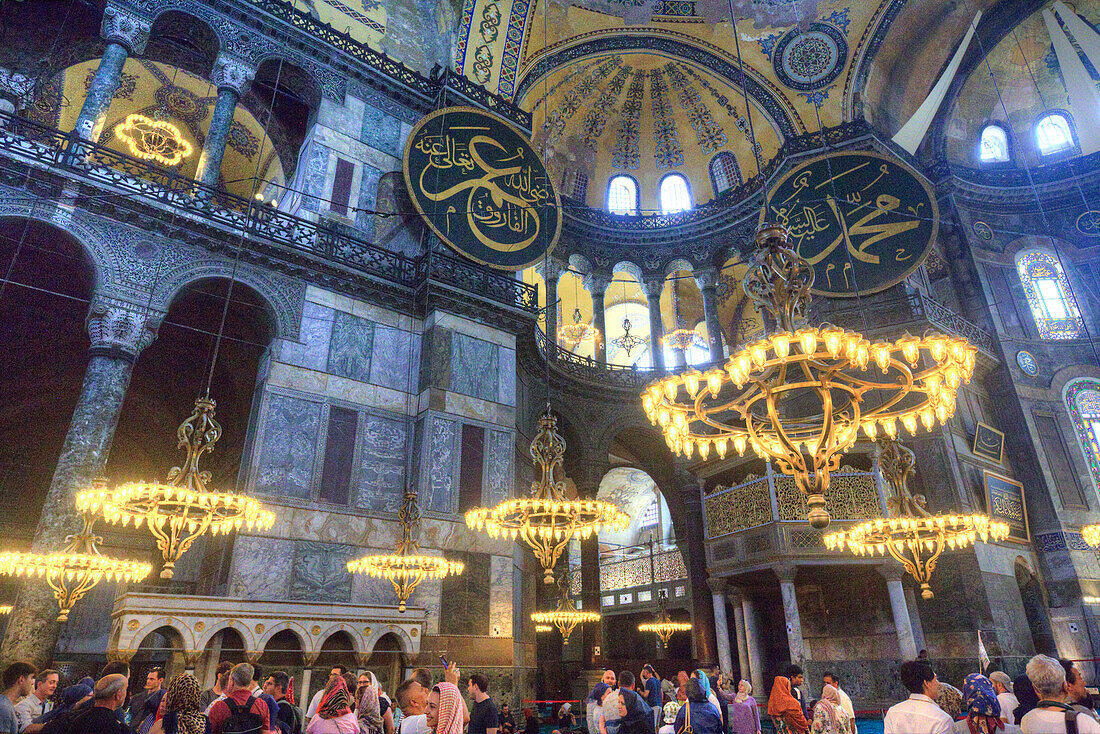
649 517
994 144
622 195
1053 133
724 172
1048 293
675 194
1083 402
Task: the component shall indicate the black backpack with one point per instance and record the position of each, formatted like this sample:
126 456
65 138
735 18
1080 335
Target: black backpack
290 718
241 718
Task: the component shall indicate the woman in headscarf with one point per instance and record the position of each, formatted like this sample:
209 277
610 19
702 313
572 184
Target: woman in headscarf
70 697
983 710
567 720
368 707
704 683
785 710
635 715
744 713
829 716
697 715
950 699
334 714
181 712
668 716
594 702
445 712
1025 694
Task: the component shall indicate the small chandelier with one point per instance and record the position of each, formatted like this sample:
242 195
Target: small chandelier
684 339
406 568
179 511
154 140
1091 534
799 396
6 609
74 571
545 520
578 331
539 628
566 617
627 342
912 536
664 627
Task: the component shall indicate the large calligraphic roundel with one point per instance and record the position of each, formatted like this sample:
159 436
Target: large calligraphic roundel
482 188
864 220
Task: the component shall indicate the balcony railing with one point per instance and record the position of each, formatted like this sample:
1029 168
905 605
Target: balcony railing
588 369
629 567
55 151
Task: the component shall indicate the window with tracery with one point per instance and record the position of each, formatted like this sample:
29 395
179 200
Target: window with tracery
1083 402
724 172
649 517
1053 133
622 195
994 144
675 194
1048 293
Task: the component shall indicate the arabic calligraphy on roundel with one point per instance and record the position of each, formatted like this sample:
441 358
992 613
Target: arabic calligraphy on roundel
863 221
499 192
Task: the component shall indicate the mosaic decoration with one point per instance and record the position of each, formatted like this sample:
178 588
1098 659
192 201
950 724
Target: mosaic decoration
358 16
625 155
983 231
555 124
1083 403
242 141
513 45
739 120
817 98
840 19
1038 265
708 133
667 152
483 55
1026 362
1005 503
740 507
490 23
561 82
127 85
596 119
810 60
464 33
852 495
1056 541
1088 223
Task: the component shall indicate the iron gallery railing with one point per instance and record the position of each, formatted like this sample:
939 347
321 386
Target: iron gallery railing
63 152
589 369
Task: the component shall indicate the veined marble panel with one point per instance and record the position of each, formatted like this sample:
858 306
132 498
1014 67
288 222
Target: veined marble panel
382 464
261 567
368 193
395 357
442 457
289 445
475 367
461 325
369 311
311 350
350 347
471 407
381 131
313 188
500 596
499 472
320 571
506 384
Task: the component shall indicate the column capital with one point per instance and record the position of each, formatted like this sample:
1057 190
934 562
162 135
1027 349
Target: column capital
718 585
596 283
125 28
550 269
706 278
119 327
233 74
891 571
653 285
786 573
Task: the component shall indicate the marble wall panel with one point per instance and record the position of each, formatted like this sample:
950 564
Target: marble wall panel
500 596
313 188
320 571
381 131
475 367
382 464
351 347
506 386
442 460
311 349
261 567
464 608
368 195
499 471
435 360
393 357
289 446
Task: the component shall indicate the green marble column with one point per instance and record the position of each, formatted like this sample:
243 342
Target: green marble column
125 33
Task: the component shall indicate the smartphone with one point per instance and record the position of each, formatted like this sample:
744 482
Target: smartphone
443 659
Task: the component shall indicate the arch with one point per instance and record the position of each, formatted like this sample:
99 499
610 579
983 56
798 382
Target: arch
183 39
623 195
1055 133
1049 294
994 144
187 638
678 264
631 269
634 491
92 240
358 645
400 634
674 194
1082 399
294 628
229 624
725 172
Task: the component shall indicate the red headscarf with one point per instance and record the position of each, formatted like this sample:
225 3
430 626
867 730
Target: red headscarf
783 705
290 692
449 717
336 701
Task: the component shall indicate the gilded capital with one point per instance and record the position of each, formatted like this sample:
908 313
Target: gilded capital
126 28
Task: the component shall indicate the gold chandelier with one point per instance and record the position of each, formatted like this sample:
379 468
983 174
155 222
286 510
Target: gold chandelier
545 520
578 331
664 627
406 569
684 339
75 570
566 616
800 395
5 609
180 510
538 627
1091 534
626 341
912 536
154 140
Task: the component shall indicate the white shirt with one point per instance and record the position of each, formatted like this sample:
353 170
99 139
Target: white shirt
28 709
1041 721
961 727
846 704
1008 702
314 704
417 724
918 715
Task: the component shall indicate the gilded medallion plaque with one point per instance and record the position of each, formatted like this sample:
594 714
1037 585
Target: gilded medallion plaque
864 220
1005 498
482 188
989 443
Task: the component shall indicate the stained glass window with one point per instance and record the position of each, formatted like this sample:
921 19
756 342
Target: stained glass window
1053 134
994 144
675 195
1083 402
1048 292
622 195
724 172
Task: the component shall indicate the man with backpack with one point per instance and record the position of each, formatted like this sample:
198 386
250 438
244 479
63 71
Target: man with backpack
240 712
289 718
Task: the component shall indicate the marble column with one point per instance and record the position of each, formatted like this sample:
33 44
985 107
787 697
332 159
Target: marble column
743 659
232 77
707 279
597 287
754 645
118 331
695 557
721 624
914 617
125 33
303 689
551 272
902 623
786 575
587 475
653 288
